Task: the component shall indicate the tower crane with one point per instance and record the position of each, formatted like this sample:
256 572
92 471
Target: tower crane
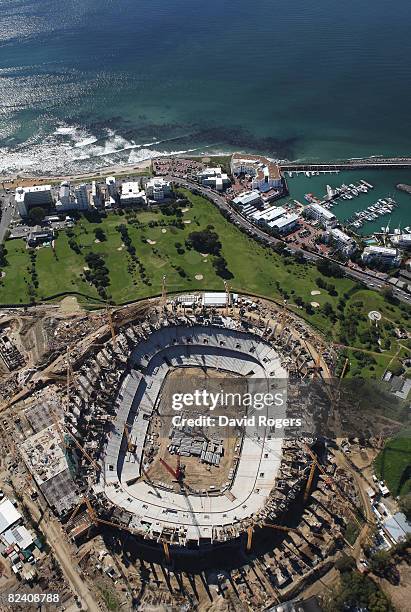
310 481
163 291
228 302
330 481
177 473
111 324
99 521
250 532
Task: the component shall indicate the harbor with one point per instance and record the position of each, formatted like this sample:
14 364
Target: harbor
364 200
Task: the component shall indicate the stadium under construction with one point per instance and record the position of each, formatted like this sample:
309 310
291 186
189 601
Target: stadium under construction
127 466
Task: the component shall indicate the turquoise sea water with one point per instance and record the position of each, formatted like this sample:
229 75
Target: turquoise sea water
89 83
384 185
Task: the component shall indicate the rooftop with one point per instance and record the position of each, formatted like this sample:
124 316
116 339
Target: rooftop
9 515
324 212
262 165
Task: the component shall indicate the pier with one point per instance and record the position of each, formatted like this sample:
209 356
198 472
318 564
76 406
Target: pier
386 163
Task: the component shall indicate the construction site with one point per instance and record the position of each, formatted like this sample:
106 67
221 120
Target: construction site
269 508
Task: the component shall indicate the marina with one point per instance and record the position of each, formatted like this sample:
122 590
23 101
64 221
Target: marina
368 198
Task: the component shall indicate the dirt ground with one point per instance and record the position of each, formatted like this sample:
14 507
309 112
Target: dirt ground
400 595
197 475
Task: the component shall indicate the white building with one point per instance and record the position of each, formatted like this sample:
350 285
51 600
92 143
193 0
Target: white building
266 175
158 189
321 214
214 178
9 516
131 194
69 201
81 197
384 255
64 194
401 241
248 198
268 214
342 242
285 224
30 197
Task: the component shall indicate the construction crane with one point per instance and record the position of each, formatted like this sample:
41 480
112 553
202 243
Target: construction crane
317 366
309 481
163 291
177 473
281 528
75 511
99 521
330 481
282 317
111 324
347 361
131 446
59 429
228 303
250 532
166 549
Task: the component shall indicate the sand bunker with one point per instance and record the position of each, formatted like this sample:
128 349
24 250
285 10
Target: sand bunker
199 277
164 231
151 241
315 304
315 292
187 221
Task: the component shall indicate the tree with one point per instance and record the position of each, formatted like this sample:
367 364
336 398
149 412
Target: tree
3 253
100 234
328 268
220 267
345 563
205 242
405 505
327 309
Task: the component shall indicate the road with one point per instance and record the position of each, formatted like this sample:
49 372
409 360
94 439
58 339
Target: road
369 279
7 208
57 540
366 278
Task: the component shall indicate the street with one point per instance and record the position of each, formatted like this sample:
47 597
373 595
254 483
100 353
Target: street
366 278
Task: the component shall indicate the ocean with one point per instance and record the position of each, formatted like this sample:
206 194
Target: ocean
91 83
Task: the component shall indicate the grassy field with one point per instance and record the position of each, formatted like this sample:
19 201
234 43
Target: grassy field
255 269
393 465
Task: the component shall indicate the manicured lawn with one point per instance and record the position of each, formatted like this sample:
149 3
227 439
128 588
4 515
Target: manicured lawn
393 465
255 269
13 288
